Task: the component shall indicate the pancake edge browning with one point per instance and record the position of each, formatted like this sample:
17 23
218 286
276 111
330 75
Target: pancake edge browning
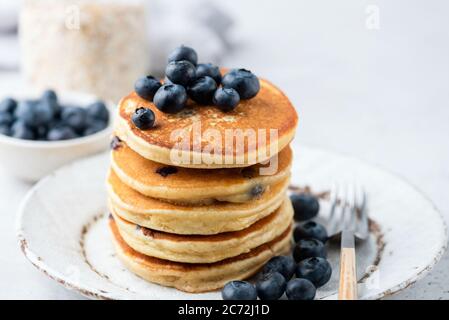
197 278
205 248
238 192
204 220
162 153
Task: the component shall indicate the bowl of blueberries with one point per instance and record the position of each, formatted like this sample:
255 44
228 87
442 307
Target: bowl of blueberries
42 133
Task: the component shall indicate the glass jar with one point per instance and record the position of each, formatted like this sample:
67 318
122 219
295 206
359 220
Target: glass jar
94 46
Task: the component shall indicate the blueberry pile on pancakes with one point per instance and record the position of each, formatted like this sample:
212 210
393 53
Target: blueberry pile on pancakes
189 209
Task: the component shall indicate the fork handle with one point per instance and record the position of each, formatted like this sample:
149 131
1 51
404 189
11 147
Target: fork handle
348 275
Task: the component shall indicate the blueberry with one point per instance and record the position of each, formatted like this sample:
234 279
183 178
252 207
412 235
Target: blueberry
25 112
308 248
226 99
143 118
94 127
184 53
316 270
44 112
282 264
6 118
208 69
202 90
271 286
306 206
41 132
5 130
245 82
310 229
239 290
20 130
181 72
8 105
61 133
146 87
49 95
98 111
300 289
170 98
75 117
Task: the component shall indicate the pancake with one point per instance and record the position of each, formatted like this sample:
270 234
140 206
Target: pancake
205 248
195 186
185 219
269 111
198 277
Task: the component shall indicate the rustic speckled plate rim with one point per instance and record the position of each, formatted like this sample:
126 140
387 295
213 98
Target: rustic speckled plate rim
89 292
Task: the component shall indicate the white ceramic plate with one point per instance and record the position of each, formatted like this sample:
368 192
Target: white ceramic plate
62 230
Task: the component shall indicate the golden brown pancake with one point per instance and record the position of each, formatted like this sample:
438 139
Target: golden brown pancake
205 248
186 219
196 186
198 277
269 110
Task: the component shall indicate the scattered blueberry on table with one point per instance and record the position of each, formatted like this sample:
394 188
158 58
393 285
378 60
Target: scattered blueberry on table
45 119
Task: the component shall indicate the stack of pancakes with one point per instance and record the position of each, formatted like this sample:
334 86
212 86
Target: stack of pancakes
195 225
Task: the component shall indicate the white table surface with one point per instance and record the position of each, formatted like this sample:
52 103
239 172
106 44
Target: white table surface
381 95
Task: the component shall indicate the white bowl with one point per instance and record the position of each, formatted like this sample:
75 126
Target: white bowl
32 160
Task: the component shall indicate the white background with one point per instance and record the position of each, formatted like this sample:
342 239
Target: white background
380 95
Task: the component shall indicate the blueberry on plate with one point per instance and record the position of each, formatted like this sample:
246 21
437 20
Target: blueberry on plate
271 286
8 105
183 53
312 230
61 133
146 87
98 111
143 118
239 290
306 206
5 130
308 248
20 130
74 117
283 264
210 70
25 112
242 80
202 90
6 118
181 72
300 289
94 127
316 270
170 98
226 99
